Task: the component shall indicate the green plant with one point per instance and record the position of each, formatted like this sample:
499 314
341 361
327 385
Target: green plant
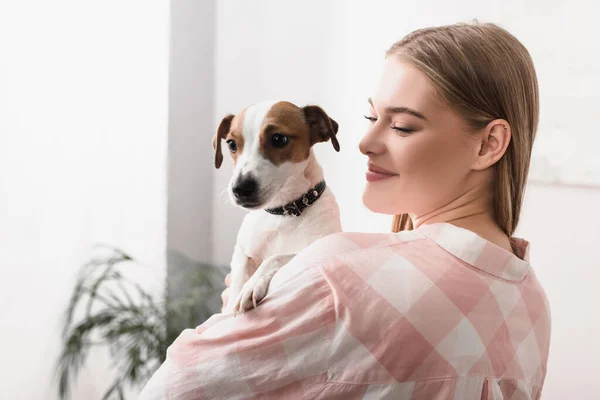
109 309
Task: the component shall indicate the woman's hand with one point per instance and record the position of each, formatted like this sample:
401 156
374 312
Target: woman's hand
225 293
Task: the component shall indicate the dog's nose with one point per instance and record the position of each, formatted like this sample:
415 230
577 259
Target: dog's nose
245 188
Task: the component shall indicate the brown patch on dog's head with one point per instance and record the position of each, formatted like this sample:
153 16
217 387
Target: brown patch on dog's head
230 128
286 119
303 129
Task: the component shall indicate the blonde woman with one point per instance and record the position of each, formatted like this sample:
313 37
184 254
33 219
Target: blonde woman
447 306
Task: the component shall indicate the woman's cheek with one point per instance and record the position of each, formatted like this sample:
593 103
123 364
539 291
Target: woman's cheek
411 161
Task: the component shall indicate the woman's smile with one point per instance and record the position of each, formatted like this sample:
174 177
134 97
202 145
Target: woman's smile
376 173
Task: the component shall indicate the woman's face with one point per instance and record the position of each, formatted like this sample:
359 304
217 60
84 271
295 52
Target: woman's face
420 154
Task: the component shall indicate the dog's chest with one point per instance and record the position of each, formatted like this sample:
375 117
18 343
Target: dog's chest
263 235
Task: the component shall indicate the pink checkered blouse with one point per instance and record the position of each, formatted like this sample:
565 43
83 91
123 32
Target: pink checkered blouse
434 313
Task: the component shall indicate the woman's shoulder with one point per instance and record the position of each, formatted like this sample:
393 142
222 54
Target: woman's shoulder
346 251
344 244
435 255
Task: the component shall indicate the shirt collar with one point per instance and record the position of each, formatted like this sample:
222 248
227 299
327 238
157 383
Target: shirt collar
478 252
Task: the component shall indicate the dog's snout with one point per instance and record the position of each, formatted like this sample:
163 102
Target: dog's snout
245 188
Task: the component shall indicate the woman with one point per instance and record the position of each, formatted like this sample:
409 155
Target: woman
447 307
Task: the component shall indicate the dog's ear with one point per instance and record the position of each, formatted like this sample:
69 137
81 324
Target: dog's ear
221 134
322 128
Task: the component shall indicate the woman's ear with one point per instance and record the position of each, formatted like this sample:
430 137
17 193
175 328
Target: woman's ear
493 142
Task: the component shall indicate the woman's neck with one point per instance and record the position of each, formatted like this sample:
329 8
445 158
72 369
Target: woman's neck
472 211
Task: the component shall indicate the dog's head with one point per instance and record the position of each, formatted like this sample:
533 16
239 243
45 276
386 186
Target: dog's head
270 143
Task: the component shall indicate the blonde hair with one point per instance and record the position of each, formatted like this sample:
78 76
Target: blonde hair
483 73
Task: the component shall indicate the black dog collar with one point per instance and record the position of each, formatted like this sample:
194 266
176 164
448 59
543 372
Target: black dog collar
295 207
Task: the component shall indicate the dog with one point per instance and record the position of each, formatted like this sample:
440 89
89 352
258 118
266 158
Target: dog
278 179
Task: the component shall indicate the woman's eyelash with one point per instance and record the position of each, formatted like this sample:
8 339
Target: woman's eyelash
396 128
403 130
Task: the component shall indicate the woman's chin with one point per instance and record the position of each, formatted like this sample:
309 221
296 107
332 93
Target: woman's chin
378 202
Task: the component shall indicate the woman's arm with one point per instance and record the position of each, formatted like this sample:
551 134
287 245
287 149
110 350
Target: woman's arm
281 349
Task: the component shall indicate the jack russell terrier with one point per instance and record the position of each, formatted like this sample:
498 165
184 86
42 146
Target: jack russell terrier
277 177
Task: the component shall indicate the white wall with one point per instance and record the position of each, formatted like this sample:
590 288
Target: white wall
328 52
191 112
563 226
83 134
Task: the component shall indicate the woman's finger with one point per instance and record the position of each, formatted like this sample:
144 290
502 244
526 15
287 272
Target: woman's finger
228 280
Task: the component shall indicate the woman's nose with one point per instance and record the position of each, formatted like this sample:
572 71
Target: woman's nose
371 143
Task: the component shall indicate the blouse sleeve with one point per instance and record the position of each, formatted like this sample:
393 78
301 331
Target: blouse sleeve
279 350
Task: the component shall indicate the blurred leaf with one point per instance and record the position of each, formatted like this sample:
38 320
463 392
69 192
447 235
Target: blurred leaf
136 326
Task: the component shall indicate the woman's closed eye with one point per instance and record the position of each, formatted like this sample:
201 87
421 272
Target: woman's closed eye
394 127
402 130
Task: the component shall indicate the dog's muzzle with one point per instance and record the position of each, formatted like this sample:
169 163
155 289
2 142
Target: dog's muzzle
245 191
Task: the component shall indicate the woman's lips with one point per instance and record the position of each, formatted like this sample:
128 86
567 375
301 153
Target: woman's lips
375 173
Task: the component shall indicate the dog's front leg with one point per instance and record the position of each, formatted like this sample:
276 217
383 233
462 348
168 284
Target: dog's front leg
242 267
255 289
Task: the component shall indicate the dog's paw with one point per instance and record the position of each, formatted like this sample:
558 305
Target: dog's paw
252 293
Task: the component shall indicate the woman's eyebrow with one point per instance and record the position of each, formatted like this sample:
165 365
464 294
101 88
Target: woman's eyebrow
401 110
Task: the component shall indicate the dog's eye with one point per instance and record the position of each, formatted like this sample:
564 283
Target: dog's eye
232 145
278 140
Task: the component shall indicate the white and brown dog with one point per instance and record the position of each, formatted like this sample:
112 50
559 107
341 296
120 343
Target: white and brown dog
278 178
